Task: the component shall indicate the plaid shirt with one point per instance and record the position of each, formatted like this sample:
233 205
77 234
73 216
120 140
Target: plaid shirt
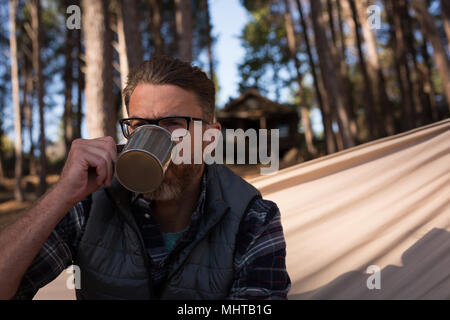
259 260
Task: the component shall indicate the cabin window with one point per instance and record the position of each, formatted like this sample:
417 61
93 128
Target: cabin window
284 130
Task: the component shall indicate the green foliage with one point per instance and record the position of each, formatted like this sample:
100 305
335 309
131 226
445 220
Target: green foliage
7 146
168 31
264 40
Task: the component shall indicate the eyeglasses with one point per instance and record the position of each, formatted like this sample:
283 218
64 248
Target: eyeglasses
171 124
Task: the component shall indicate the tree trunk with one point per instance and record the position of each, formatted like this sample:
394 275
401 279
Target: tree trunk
331 22
129 41
27 100
80 85
35 11
340 57
172 45
18 192
121 49
28 106
155 25
394 12
432 34
2 172
101 113
370 104
341 28
324 107
209 40
429 86
375 71
131 21
445 8
332 79
183 18
420 100
68 81
292 44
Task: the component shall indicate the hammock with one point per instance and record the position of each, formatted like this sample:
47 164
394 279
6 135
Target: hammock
383 205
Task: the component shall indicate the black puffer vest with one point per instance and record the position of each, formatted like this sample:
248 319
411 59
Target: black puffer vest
114 263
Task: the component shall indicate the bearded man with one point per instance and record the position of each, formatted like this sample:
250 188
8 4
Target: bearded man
205 233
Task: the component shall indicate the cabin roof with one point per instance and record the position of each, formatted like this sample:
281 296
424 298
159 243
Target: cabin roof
252 104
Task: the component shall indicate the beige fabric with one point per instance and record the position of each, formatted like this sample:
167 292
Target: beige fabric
384 203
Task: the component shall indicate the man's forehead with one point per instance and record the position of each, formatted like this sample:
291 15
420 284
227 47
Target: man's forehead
163 100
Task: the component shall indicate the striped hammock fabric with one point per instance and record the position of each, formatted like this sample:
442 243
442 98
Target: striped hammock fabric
370 222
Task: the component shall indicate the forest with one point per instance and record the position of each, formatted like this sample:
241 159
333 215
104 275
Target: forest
361 69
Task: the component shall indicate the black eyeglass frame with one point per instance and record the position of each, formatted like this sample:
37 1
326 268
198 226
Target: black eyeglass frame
157 120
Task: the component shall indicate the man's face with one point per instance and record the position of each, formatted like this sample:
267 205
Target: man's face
157 101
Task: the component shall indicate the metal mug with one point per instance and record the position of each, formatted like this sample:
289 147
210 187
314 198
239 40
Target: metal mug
143 160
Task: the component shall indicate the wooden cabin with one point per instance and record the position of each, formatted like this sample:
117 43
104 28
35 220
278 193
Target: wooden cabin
252 110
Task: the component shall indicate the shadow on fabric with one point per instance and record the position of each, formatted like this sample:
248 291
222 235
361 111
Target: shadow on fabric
425 274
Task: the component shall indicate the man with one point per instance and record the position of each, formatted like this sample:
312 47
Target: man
205 233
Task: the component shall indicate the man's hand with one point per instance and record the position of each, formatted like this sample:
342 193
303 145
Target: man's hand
89 165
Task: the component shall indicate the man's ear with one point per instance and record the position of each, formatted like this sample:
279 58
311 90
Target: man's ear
215 125
211 138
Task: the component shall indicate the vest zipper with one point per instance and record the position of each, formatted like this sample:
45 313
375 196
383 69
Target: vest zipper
124 215
146 261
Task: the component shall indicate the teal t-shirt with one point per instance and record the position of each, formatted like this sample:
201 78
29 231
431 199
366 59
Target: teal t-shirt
171 238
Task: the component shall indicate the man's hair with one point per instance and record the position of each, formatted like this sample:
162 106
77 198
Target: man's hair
161 70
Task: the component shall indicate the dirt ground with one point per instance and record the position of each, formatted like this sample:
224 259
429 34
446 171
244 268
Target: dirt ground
10 209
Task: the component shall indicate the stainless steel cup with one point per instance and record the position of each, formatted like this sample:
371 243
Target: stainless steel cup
144 159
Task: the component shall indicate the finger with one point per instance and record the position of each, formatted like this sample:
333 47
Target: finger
102 149
107 160
99 163
104 143
111 146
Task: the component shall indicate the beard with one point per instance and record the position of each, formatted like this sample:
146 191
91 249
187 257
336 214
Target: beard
176 179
